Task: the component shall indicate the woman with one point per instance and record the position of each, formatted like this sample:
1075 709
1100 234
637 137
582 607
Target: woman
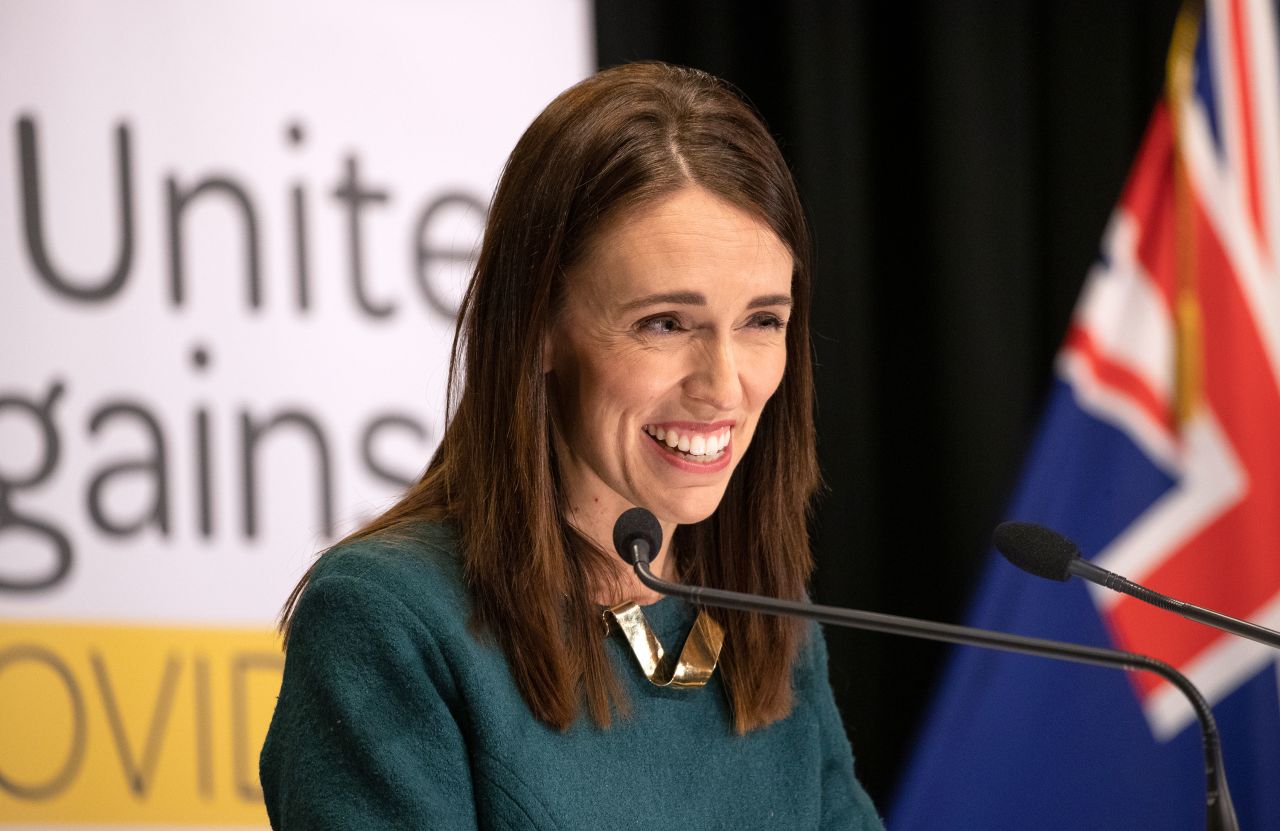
636 333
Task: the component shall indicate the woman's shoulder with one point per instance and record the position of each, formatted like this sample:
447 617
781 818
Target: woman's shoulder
420 566
811 666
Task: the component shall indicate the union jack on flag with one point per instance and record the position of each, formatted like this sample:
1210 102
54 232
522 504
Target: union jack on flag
1160 453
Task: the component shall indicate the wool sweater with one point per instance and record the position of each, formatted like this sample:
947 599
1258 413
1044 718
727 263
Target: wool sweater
393 714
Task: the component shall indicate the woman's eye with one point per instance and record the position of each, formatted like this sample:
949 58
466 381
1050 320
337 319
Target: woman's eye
660 325
767 321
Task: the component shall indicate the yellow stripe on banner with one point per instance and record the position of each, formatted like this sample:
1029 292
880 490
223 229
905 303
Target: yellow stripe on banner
134 724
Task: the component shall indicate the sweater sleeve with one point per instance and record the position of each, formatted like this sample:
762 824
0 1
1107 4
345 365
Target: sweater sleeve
845 804
363 736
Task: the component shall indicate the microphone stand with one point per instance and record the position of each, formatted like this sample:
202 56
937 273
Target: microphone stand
1220 812
1043 552
1099 576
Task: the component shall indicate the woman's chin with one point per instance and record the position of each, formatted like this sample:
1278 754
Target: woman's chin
687 512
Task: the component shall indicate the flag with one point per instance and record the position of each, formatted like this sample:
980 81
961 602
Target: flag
1159 452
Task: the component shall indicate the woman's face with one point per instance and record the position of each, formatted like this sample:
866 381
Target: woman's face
670 342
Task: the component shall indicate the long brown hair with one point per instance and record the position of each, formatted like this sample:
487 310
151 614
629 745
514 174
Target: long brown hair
623 137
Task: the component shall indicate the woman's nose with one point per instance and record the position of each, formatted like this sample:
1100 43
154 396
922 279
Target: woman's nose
713 376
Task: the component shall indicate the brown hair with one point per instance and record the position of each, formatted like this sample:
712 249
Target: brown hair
617 140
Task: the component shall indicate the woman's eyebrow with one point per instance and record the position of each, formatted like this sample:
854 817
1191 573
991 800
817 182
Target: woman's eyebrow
693 298
674 298
770 300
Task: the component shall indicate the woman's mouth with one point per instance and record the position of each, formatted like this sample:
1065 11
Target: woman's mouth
699 447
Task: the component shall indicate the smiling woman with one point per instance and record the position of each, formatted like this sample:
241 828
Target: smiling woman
674 322
635 334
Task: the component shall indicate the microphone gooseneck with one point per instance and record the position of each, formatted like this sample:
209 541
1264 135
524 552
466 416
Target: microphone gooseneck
1220 811
1046 553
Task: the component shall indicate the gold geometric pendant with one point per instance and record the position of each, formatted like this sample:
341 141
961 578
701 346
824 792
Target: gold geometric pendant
697 659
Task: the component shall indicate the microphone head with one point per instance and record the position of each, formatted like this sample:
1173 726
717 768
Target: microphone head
1034 548
636 524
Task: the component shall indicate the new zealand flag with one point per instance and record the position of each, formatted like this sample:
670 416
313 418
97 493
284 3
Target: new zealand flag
1159 453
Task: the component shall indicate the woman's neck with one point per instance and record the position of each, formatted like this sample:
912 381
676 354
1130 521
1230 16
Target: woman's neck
595 520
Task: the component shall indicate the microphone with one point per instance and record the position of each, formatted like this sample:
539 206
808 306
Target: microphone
1046 553
635 538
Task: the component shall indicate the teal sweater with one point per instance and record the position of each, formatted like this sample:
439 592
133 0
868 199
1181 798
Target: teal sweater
392 714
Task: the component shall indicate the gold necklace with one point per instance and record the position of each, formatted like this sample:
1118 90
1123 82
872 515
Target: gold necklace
698 657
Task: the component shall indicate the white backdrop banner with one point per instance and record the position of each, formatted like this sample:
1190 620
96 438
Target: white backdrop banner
233 237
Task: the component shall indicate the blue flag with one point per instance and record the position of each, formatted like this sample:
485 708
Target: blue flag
1159 452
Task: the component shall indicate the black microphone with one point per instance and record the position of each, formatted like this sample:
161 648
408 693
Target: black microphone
639 535
1046 553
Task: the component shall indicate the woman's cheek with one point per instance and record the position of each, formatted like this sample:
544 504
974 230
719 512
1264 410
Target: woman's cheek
766 375
649 376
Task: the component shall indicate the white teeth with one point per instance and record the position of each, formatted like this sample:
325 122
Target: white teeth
707 446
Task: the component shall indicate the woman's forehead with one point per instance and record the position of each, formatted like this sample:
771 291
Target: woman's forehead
691 241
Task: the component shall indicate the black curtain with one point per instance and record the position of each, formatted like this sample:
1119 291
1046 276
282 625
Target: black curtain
958 161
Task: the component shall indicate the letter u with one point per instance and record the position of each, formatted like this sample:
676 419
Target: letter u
87 290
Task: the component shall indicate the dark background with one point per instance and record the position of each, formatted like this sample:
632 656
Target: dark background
958 161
